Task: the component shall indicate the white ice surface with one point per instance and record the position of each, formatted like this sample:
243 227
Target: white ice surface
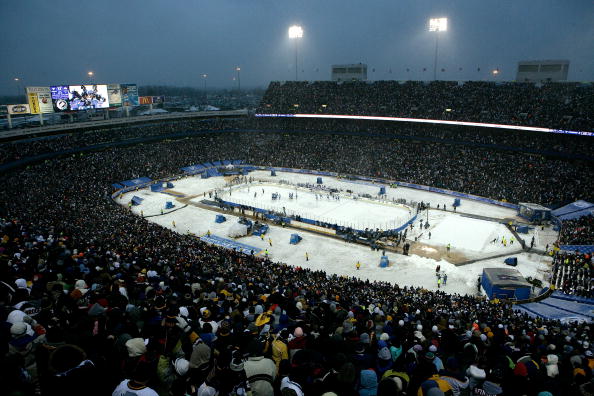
465 234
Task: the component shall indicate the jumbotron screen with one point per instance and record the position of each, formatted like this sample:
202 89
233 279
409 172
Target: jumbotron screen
79 97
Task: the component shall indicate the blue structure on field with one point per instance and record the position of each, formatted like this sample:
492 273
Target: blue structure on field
456 202
260 229
272 172
220 219
295 239
136 182
136 200
169 185
505 283
534 213
384 262
382 190
319 180
511 261
523 229
157 187
169 205
230 244
248 223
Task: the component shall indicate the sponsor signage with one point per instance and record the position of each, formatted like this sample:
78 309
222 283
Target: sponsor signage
114 95
145 100
129 94
40 100
18 109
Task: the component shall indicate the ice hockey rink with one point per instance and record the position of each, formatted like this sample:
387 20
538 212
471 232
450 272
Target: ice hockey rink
467 231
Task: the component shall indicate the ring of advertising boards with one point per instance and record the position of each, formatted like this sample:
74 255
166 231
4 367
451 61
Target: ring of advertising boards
79 97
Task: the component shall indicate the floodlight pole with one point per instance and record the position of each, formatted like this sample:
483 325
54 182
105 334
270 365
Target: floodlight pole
435 60
296 65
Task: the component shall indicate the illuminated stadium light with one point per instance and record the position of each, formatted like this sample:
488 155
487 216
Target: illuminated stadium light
295 33
495 72
438 24
90 74
429 121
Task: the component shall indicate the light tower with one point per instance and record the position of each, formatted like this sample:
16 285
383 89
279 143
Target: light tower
295 33
437 25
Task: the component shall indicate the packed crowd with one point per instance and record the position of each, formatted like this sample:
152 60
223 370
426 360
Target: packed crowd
578 231
96 300
552 105
573 273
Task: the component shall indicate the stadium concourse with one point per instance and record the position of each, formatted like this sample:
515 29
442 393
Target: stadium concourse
93 294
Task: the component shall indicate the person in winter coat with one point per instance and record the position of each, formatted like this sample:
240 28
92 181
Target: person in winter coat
24 343
279 348
454 376
260 371
368 383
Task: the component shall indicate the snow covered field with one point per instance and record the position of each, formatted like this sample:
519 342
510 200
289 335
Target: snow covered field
469 237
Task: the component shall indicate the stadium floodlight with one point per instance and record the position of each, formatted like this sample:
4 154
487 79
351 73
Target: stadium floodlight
437 25
295 33
204 76
90 74
238 69
495 72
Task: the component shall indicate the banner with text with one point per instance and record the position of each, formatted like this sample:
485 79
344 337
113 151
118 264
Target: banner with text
114 95
129 94
40 100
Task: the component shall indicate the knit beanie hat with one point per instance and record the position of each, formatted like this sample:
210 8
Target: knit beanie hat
181 366
135 347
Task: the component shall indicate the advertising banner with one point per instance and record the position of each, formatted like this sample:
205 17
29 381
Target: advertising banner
145 100
42 96
158 99
129 94
114 95
33 102
18 109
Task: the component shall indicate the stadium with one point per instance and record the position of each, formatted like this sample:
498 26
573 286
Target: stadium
339 238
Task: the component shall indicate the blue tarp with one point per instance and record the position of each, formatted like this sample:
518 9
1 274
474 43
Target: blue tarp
193 169
580 248
208 165
230 244
136 200
237 162
135 182
217 163
384 262
560 306
226 162
117 186
156 187
574 210
168 205
220 219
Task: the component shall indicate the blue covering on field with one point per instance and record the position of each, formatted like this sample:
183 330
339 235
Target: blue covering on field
237 162
319 181
169 185
523 229
117 186
230 244
513 261
589 249
574 210
295 239
260 229
272 172
560 306
136 200
217 163
135 182
193 169
204 175
456 202
384 262
226 162
207 165
382 190
156 187
212 172
220 219
168 205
